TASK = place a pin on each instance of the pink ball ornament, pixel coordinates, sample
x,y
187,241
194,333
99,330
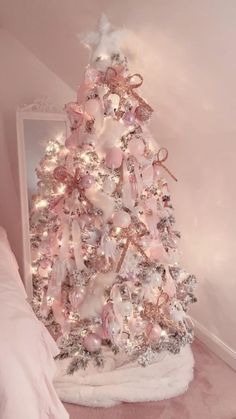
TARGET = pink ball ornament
x,y
87,181
121,219
136,147
92,342
129,118
76,297
114,158
155,333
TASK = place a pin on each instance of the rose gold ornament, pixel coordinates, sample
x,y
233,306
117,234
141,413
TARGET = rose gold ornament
x,y
121,219
92,342
114,158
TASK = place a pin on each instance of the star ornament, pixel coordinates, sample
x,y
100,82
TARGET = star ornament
x,y
105,42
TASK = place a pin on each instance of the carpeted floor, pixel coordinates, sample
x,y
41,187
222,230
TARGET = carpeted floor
x,y
211,395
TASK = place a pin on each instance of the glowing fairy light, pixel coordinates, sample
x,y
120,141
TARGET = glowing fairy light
x,y
61,189
33,269
52,147
45,234
41,204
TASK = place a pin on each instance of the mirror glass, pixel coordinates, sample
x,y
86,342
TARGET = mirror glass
x,y
37,133
34,131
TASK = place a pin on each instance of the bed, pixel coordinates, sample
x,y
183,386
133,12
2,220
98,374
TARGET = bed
x,y
26,350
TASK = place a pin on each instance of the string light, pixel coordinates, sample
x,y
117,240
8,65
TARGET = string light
x,y
33,269
61,189
41,204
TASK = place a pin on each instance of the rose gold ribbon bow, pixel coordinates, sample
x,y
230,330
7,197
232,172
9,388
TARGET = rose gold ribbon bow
x,y
160,160
72,182
132,238
122,86
151,311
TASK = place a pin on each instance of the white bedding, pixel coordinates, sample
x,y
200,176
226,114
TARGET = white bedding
x,y
26,351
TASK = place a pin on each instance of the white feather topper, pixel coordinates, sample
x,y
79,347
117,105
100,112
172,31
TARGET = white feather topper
x,y
105,42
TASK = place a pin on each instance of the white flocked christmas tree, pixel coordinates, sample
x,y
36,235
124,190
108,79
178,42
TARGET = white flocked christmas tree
x,y
105,267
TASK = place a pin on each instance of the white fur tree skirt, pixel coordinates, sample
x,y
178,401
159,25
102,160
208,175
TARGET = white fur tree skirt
x,y
167,377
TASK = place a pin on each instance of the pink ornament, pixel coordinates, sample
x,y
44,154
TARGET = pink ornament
x,y
129,118
136,147
87,181
76,297
155,333
114,158
92,342
121,219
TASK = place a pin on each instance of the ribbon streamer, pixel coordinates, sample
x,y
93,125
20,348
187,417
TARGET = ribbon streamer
x,y
76,237
125,186
160,160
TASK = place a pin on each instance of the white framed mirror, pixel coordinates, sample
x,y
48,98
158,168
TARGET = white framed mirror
x,y
35,127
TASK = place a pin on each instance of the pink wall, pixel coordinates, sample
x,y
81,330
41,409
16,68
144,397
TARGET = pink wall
x,y
22,78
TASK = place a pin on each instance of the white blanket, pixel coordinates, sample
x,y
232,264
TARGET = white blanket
x,y
26,351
